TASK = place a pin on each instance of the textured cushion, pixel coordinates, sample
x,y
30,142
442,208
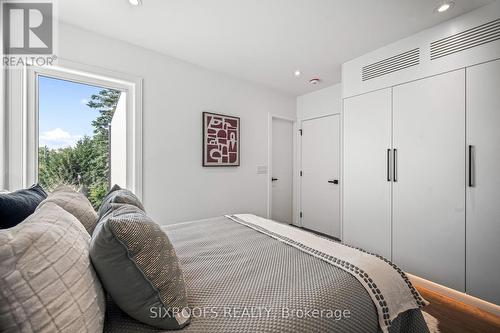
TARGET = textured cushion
x,y
47,283
18,205
119,195
139,268
76,204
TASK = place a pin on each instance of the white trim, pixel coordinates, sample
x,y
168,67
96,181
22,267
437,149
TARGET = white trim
x,y
298,194
30,127
67,70
296,169
341,170
270,162
13,172
3,115
320,116
3,128
456,295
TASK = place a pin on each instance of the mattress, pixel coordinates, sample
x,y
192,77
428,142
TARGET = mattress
x,y
241,280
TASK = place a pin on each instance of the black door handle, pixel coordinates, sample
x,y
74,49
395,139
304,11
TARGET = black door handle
x,y
274,179
333,181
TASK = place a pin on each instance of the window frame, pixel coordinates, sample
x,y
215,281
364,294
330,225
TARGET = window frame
x,y
84,74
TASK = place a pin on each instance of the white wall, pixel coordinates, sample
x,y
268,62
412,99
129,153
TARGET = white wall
x,y
175,185
118,143
320,103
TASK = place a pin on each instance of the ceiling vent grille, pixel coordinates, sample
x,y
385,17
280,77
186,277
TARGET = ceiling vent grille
x,y
393,64
482,34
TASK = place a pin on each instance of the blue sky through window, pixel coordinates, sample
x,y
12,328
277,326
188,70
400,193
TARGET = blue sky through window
x,y
64,117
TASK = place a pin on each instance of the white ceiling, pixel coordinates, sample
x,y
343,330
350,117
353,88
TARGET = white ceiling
x,y
262,41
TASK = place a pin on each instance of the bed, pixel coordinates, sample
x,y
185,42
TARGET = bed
x,y
242,276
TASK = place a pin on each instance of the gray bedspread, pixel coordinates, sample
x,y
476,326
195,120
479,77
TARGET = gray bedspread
x,y
246,281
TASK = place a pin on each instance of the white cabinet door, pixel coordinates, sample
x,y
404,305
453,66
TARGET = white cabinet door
x,y
428,192
320,190
282,170
483,194
367,190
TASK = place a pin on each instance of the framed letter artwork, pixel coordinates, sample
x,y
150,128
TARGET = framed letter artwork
x,y
221,140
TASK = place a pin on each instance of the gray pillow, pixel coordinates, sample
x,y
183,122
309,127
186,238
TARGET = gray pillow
x,y
74,203
47,282
119,195
139,268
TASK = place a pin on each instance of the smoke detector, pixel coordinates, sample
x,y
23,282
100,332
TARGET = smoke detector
x,y
315,80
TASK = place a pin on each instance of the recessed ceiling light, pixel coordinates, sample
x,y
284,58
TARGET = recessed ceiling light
x,y
297,72
135,2
444,6
315,80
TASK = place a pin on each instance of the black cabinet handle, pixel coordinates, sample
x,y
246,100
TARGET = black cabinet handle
x,y
395,165
472,172
274,179
333,181
389,165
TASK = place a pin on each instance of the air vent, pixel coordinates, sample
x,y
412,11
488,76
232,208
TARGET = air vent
x,y
485,33
392,64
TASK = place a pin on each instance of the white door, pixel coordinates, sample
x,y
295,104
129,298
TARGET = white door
x,y
282,170
320,197
428,189
367,180
483,181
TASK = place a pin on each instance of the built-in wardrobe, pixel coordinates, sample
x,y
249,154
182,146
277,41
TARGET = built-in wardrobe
x,y
422,177
421,170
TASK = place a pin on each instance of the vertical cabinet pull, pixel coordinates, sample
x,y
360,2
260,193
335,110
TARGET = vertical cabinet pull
x,y
389,165
472,171
395,165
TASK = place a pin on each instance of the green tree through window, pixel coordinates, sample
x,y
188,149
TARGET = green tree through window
x,y
84,166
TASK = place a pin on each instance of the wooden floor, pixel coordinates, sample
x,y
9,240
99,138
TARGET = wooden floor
x,y
458,317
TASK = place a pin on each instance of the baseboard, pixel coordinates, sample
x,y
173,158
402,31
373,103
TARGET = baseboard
x,y
456,295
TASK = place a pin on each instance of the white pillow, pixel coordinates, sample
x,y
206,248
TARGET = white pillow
x,y
47,282
74,203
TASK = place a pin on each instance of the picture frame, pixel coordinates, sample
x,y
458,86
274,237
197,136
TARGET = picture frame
x,y
221,140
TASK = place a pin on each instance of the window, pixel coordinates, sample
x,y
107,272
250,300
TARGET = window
x,y
74,136
30,126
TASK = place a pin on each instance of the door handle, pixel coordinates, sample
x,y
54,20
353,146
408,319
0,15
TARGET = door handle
x,y
472,171
274,179
389,165
395,165
333,181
